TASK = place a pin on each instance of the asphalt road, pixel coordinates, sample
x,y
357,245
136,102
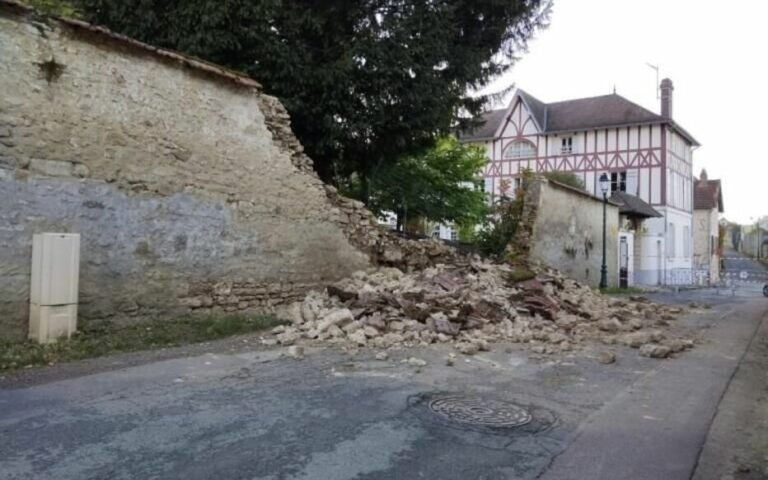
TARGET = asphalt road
x,y
743,271
332,415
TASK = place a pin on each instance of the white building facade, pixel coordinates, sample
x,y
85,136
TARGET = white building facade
x,y
645,154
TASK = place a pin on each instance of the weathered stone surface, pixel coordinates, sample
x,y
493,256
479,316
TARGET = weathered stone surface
x,y
636,339
606,358
358,337
295,351
471,304
338,317
416,362
287,338
655,351
173,192
468,348
611,325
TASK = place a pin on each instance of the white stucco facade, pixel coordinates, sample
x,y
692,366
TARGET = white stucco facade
x,y
651,159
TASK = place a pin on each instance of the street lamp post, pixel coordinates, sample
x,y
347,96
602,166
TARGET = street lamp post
x,y
605,185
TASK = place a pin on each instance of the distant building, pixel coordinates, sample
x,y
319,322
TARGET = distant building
x,y
707,207
645,155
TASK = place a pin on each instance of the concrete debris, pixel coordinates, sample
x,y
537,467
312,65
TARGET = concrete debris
x,y
474,304
296,352
606,358
416,362
450,360
382,356
653,350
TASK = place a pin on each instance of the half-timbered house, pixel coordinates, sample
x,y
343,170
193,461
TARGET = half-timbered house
x,y
645,154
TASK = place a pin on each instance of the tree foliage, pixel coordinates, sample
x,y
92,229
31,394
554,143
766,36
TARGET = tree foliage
x,y
440,185
501,225
61,8
366,81
566,178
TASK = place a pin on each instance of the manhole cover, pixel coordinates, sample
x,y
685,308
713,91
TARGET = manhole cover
x,y
479,411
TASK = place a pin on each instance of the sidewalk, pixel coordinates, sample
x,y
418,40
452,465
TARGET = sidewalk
x,y
737,443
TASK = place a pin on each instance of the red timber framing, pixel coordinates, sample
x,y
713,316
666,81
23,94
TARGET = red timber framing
x,y
642,147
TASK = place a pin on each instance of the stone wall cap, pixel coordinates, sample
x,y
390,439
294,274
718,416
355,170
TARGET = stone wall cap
x,y
217,71
579,191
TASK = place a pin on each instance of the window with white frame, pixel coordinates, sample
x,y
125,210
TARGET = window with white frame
x,y
520,149
454,235
671,240
436,231
566,145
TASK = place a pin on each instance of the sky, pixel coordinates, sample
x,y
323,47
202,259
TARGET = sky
x,y
714,52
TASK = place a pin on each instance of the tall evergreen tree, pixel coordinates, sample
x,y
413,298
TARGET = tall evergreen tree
x,y
366,81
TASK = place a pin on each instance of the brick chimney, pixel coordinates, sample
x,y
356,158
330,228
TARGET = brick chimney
x,y
666,97
703,175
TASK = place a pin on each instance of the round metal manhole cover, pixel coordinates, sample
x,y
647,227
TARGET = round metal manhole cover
x,y
480,411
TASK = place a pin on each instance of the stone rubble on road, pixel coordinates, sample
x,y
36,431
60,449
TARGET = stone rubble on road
x,y
474,304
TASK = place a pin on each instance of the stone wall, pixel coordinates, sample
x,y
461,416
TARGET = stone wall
x,y
563,229
706,224
184,180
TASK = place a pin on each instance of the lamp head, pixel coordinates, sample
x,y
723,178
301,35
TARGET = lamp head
x,y
605,183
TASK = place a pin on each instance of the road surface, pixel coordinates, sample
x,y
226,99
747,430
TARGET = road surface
x,y
746,273
259,414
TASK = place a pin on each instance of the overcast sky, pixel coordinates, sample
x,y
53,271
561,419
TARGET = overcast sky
x,y
714,52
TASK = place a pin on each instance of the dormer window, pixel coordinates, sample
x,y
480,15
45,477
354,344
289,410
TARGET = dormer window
x,y
566,145
520,149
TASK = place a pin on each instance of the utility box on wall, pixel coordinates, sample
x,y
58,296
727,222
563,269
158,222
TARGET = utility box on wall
x,y
54,289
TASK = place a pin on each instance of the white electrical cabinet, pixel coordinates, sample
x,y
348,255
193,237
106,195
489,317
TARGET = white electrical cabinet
x,y
54,289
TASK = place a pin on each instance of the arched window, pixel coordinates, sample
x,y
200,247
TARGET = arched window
x,y
520,149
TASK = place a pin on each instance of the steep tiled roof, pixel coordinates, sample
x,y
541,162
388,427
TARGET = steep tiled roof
x,y
580,114
707,195
633,206
490,121
604,111
537,108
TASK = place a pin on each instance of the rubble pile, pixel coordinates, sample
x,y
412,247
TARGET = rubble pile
x,y
473,305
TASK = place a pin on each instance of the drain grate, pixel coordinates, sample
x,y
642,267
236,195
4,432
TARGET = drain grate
x,y
479,411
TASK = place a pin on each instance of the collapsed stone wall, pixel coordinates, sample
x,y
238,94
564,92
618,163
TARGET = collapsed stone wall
x,y
185,181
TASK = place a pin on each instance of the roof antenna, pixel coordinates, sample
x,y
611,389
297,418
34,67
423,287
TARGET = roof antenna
x,y
655,67
614,89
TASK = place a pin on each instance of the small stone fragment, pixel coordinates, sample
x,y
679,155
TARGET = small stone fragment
x,y
606,358
416,362
358,337
467,348
611,325
287,338
296,352
655,351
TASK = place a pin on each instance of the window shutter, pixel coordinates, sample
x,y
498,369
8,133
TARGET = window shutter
x,y
632,182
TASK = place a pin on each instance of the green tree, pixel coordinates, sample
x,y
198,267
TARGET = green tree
x,y
501,225
440,185
62,8
366,81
